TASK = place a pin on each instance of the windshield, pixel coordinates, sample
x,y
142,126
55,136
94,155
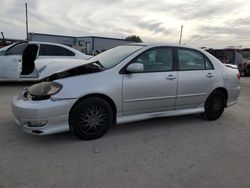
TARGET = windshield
x,y
112,57
4,49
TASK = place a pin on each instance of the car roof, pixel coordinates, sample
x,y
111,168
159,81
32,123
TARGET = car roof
x,y
52,43
151,45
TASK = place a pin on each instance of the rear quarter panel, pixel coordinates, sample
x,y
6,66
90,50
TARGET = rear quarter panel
x,y
226,78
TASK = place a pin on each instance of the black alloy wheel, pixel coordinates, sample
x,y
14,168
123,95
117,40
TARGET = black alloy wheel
x,y
214,105
91,118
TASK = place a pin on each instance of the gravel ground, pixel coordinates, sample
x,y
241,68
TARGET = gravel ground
x,y
169,152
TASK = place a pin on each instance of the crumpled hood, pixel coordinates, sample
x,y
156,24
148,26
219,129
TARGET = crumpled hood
x,y
47,67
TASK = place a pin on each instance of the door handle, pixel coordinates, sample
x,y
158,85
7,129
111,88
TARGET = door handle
x,y
170,77
210,75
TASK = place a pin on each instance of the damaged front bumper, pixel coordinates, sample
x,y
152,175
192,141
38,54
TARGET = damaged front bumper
x,y
41,117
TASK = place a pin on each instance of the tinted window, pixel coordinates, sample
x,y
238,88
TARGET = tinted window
x,y
17,49
190,60
228,57
225,56
51,50
158,59
245,53
238,58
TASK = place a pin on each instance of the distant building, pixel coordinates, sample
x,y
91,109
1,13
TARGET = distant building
x,y
91,45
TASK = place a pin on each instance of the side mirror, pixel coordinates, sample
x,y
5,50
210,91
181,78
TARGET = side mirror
x,y
135,68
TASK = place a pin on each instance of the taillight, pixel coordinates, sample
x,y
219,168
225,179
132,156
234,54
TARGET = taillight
x,y
238,76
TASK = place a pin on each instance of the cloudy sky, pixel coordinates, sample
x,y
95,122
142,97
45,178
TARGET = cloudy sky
x,y
214,23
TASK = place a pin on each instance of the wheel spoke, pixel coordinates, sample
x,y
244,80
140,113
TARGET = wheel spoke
x,y
92,119
215,105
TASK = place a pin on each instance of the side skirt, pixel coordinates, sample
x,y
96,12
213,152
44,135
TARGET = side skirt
x,y
138,117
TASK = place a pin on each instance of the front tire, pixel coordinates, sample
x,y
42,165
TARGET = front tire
x,y
91,118
214,106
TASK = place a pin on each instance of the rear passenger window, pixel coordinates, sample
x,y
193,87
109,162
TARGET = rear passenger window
x,y
209,65
190,60
52,50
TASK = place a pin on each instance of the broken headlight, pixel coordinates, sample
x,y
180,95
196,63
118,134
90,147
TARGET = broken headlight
x,y
44,90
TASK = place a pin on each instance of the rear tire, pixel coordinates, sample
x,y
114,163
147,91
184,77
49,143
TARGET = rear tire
x,y
91,118
214,106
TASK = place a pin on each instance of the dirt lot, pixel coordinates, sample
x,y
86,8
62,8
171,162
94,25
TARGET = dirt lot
x,y
170,152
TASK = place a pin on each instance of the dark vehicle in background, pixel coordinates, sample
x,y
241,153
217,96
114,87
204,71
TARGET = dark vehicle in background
x,y
246,57
230,56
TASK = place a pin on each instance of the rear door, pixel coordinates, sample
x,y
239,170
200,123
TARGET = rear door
x,y
196,76
154,89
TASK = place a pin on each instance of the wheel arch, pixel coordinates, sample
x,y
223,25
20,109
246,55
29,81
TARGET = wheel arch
x,y
102,96
223,91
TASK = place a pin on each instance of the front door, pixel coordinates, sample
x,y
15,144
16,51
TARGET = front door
x,y
154,89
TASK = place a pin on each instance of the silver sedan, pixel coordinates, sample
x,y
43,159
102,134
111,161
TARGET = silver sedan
x,y
126,84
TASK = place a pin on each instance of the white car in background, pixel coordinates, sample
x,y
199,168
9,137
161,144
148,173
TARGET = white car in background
x,y
33,60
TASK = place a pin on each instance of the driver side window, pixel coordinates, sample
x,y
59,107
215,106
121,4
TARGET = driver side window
x,y
156,60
